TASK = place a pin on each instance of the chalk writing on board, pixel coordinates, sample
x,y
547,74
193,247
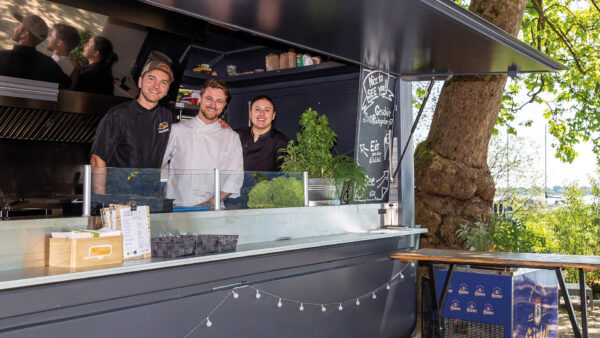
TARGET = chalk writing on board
x,y
376,88
376,107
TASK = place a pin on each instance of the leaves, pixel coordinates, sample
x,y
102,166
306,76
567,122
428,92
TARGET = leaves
x,y
312,153
566,30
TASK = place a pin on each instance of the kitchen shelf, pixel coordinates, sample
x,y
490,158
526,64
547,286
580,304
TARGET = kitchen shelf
x,y
289,74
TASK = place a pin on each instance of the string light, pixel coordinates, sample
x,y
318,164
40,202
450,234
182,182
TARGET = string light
x,y
236,295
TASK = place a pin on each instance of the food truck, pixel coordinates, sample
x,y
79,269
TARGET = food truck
x,y
316,270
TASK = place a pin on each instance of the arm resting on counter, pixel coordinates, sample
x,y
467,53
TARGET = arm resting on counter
x,y
98,174
211,201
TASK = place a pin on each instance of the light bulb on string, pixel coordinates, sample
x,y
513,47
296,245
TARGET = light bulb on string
x,y
374,295
340,307
301,308
412,264
208,322
357,301
257,294
387,286
323,308
401,276
235,294
279,304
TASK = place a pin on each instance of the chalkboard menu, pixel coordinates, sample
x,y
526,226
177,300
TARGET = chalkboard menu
x,y
376,108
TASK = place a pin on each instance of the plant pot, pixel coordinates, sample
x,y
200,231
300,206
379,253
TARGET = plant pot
x,y
321,191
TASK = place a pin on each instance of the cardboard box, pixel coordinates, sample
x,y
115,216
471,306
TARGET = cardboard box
x,y
272,62
283,60
291,59
81,252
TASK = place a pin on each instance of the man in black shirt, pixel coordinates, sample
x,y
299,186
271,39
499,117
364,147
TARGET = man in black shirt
x,y
24,61
134,134
261,143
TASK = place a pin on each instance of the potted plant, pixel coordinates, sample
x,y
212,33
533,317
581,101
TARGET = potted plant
x,y
332,177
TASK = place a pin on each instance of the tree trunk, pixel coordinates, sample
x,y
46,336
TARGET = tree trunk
x,y
453,182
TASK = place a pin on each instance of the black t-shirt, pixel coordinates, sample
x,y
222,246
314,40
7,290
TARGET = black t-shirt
x,y
263,154
95,78
131,136
27,63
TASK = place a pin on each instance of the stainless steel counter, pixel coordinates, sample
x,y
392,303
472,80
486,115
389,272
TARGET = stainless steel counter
x,y
46,275
24,243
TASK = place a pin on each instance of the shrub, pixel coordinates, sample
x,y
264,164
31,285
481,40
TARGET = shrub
x,y
476,237
279,192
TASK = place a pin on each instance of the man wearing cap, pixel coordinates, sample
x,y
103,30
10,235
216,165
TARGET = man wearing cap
x,y
62,40
24,60
134,134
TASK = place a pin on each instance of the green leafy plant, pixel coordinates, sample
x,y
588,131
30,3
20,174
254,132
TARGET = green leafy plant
x,y
313,153
280,192
77,52
477,237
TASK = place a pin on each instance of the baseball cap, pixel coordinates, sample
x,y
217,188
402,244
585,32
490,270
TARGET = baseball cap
x,y
34,24
158,65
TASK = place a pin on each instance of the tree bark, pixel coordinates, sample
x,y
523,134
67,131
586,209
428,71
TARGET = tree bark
x,y
454,185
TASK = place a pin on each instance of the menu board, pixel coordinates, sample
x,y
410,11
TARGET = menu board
x,y
376,109
134,223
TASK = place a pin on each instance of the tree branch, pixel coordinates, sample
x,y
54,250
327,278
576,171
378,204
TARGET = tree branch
x,y
538,7
595,5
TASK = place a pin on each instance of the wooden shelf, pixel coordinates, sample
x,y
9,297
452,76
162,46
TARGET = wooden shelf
x,y
288,74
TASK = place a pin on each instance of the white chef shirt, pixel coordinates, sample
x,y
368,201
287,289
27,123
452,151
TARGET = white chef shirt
x,y
194,145
65,63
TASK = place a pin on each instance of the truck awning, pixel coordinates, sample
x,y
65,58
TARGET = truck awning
x,y
409,38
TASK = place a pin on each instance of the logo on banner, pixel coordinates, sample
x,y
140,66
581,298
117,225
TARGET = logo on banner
x,y
471,307
455,305
497,293
479,291
463,289
537,312
488,310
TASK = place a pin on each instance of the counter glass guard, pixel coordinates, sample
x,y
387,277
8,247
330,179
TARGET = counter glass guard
x,y
185,190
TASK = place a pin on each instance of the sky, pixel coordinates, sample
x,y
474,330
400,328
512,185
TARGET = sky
x,y
557,172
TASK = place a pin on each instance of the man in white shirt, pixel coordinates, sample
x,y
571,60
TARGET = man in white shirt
x,y
201,144
61,41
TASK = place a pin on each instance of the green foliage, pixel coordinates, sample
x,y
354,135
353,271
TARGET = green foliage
x,y
510,234
77,52
568,31
571,228
476,237
312,153
279,192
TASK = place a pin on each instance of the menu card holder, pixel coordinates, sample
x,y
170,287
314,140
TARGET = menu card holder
x,y
134,223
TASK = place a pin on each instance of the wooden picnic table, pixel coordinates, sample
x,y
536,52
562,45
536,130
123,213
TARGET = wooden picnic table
x,y
504,259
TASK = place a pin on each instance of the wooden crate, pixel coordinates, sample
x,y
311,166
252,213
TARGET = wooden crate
x,y
81,252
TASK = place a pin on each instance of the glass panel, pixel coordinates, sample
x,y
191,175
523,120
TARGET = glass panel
x,y
185,190
129,185
264,189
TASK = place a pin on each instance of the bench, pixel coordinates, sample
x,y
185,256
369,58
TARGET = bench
x,y
573,289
